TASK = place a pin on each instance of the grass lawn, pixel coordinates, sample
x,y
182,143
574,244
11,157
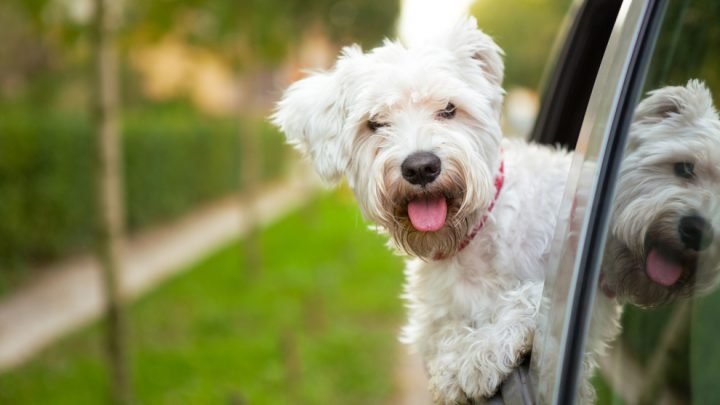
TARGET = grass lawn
x,y
316,325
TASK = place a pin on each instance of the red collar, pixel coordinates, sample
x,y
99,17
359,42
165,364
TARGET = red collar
x,y
499,180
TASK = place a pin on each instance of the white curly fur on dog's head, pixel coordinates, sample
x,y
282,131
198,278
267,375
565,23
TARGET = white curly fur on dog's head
x,y
366,115
671,172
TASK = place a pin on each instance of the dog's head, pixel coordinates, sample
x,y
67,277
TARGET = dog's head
x,y
415,130
664,241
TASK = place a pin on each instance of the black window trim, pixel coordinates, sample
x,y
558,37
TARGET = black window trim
x,y
567,92
580,304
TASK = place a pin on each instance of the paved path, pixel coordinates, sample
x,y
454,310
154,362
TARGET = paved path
x,y
69,294
411,386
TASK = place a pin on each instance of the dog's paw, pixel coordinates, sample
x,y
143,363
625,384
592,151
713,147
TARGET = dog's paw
x,y
480,383
460,382
445,389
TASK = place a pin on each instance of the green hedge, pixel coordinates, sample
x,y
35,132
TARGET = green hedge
x,y
175,160
46,186
172,164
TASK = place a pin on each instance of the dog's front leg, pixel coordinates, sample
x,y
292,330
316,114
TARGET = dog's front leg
x,y
468,359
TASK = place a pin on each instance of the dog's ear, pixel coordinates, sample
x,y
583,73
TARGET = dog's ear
x,y
313,116
689,102
469,43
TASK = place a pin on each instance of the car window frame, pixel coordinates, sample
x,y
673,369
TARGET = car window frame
x,y
590,248
566,97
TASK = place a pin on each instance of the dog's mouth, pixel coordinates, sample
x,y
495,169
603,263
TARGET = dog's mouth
x,y
662,268
427,214
429,210
429,221
668,266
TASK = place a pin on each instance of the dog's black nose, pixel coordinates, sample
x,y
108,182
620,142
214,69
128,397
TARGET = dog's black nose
x,y
695,232
421,168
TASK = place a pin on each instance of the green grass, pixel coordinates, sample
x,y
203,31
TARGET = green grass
x,y
317,325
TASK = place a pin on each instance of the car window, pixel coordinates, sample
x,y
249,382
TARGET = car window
x,y
652,336
563,316
656,304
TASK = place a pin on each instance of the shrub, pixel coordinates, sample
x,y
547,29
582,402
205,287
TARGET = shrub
x,y
46,186
174,160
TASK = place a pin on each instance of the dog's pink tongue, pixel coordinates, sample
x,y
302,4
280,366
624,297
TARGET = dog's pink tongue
x,y
427,215
662,271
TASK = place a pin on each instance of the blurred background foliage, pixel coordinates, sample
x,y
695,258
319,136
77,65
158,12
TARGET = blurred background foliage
x,y
197,81
526,31
173,162
195,77
247,32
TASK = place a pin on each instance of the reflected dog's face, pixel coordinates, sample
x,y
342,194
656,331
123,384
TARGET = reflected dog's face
x,y
414,130
663,242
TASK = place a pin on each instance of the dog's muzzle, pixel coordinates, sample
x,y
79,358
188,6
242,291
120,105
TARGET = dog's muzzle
x,y
669,260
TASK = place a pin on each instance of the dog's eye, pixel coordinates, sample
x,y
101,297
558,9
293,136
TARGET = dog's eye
x,y
448,112
374,125
686,170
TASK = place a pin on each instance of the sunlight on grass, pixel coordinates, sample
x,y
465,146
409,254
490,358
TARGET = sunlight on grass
x,y
317,324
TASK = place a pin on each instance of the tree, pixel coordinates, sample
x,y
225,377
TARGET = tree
x,y
110,194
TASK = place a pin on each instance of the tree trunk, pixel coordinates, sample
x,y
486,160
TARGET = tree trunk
x,y
109,191
250,175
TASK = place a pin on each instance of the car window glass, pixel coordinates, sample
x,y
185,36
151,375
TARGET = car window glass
x,y
653,334
561,261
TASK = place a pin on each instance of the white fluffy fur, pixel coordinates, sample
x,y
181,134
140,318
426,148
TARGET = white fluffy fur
x,y
472,314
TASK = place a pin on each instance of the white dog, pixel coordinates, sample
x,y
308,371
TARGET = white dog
x,y
416,133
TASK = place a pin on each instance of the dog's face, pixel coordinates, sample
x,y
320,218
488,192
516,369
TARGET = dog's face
x,y
663,242
414,130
